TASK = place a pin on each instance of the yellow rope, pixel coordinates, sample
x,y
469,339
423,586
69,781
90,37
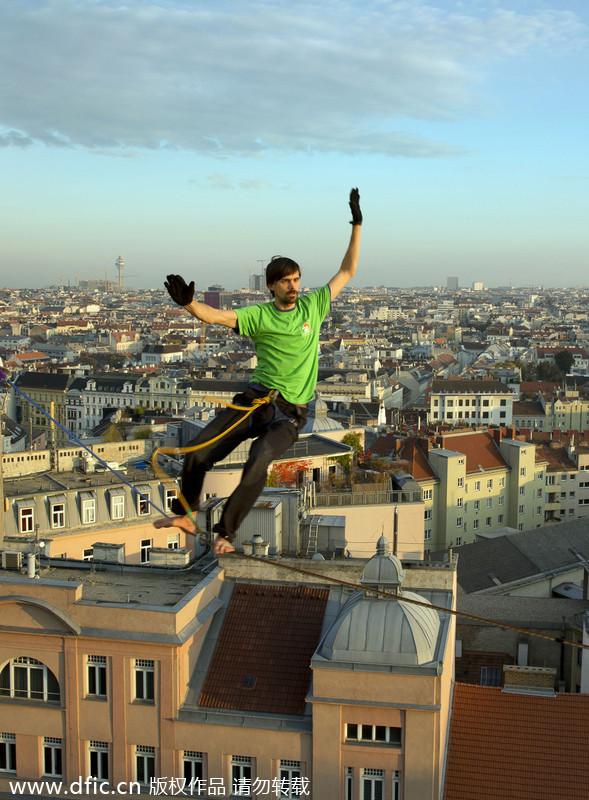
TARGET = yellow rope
x,y
256,403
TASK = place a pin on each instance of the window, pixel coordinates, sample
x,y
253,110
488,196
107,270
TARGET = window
x,y
28,679
88,553
522,471
489,502
459,522
26,519
475,524
427,513
96,676
550,480
58,515
490,676
88,505
539,493
427,534
502,482
98,760
372,784
458,541
174,541
192,767
144,679
428,494
241,775
490,483
169,495
520,509
144,764
7,752
488,522
290,778
146,545
52,757
477,486
501,500
117,503
349,783
563,477
460,483
375,734
500,519
459,502
477,505
143,500
538,511
522,490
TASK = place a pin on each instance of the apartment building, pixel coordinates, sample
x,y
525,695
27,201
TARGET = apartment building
x,y
558,411
474,482
470,402
48,393
220,683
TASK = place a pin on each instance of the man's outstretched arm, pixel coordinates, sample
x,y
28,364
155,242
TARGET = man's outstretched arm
x,y
183,294
350,261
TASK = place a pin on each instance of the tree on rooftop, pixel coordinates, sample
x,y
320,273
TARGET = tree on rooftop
x,y
347,462
564,360
286,473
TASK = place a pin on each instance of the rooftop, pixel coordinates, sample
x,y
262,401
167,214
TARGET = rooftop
x,y
262,659
517,746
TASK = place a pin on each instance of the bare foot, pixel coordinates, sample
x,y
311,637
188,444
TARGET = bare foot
x,y
185,523
222,545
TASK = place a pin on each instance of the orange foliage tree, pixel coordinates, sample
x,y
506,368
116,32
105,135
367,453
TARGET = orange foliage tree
x,y
286,473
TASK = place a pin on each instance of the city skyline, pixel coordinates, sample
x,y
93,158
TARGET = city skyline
x,y
204,140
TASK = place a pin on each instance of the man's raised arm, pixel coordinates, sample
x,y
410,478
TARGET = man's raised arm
x,y
350,261
183,294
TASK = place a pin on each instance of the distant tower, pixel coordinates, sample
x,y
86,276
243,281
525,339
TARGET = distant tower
x,y
119,264
452,284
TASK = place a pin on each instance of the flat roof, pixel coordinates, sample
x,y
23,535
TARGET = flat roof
x,y
118,584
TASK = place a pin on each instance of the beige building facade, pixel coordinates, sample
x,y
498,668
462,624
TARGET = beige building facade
x,y
112,676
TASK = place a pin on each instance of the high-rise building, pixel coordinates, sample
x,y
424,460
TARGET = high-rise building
x,y
452,283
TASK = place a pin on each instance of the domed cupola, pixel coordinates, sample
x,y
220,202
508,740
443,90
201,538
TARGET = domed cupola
x,y
374,629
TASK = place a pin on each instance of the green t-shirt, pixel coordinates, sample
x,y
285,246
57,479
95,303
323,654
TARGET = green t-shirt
x,y
287,343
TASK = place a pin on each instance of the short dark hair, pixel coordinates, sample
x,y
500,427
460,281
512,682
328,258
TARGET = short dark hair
x,y
279,267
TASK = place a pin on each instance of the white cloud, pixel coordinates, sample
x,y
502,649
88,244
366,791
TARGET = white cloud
x,y
248,78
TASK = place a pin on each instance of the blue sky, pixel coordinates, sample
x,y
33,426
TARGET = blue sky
x,y
205,137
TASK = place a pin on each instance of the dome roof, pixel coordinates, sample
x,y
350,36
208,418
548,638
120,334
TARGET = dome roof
x,y
371,630
317,420
384,570
381,630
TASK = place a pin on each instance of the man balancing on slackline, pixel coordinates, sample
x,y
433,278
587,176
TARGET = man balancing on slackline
x,y
285,332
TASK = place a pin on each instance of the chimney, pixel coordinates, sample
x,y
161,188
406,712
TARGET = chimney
x,y
529,680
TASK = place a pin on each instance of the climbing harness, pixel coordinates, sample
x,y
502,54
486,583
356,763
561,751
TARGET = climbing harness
x,y
248,410
206,541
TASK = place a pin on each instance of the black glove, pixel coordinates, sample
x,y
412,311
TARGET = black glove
x,y
355,208
179,291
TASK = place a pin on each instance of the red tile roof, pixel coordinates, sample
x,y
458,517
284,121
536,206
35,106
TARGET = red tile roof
x,y
262,659
479,448
517,746
557,458
420,468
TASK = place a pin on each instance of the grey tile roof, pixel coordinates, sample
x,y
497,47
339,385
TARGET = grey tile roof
x,y
490,562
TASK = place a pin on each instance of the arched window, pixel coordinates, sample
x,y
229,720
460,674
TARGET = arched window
x,y
26,678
